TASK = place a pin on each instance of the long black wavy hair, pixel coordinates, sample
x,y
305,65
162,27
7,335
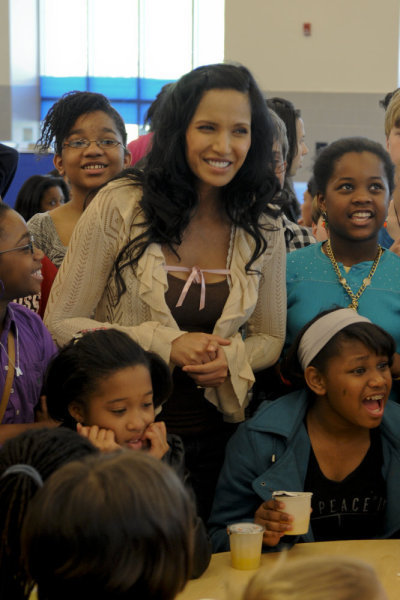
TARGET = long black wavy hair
x,y
169,186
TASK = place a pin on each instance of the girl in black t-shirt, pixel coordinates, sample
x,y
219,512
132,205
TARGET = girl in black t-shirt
x,y
329,437
345,361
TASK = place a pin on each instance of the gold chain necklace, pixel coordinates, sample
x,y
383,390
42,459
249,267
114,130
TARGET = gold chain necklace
x,y
366,281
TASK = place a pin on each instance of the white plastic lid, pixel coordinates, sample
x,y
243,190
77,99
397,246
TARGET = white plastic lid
x,y
245,528
294,494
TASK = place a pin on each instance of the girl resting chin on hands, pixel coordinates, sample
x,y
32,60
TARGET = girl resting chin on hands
x,y
107,387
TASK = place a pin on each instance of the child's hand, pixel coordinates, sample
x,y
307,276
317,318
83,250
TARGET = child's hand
x,y
156,434
275,521
103,439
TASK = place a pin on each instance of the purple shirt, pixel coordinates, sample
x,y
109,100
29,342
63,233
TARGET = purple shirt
x,y
35,347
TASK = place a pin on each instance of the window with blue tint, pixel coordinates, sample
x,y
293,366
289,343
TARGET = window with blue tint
x,y
127,52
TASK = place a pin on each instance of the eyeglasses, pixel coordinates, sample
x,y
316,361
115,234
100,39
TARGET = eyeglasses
x,y
84,143
28,246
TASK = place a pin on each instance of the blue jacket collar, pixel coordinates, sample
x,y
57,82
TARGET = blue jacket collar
x,y
270,418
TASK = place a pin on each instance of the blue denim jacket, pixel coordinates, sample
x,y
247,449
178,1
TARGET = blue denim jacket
x,y
271,452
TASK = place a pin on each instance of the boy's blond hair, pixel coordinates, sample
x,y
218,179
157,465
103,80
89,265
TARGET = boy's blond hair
x,y
320,578
392,114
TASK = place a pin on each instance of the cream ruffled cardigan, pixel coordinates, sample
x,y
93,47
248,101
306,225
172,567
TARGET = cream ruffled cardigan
x,y
82,296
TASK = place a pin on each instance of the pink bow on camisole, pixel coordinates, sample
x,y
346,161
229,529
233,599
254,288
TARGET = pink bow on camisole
x,y
196,274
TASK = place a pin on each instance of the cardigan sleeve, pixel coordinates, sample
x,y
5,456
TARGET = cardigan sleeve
x,y
266,327
261,344
81,282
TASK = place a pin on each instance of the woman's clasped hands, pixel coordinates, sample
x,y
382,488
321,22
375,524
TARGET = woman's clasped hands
x,y
202,357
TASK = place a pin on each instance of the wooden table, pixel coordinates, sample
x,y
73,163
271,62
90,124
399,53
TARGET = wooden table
x,y
383,555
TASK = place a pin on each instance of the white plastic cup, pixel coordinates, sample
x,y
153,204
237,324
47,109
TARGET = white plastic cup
x,y
298,505
246,542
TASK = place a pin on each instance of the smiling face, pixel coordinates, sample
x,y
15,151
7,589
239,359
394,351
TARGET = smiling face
x,y
122,402
52,198
88,168
218,137
20,270
356,197
355,386
302,148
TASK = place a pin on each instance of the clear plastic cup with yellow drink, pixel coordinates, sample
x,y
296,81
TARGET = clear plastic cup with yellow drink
x,y
246,542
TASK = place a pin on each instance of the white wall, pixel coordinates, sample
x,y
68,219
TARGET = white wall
x,y
19,81
4,43
353,49
5,91
25,95
353,46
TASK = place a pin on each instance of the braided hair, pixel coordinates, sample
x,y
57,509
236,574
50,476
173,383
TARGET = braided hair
x,y
45,450
64,113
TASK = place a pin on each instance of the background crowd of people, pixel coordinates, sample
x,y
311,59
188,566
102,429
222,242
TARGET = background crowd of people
x,y
175,292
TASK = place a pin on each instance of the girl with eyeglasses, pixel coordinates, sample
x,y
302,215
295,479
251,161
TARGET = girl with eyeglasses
x,y
89,140
25,344
188,258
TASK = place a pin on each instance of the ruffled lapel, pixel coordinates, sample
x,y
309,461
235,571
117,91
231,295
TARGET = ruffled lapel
x,y
244,287
242,297
153,284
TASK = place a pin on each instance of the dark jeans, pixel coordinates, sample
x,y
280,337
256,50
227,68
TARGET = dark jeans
x,y
204,455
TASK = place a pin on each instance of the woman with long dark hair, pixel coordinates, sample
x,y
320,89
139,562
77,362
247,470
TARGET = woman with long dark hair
x,y
188,259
